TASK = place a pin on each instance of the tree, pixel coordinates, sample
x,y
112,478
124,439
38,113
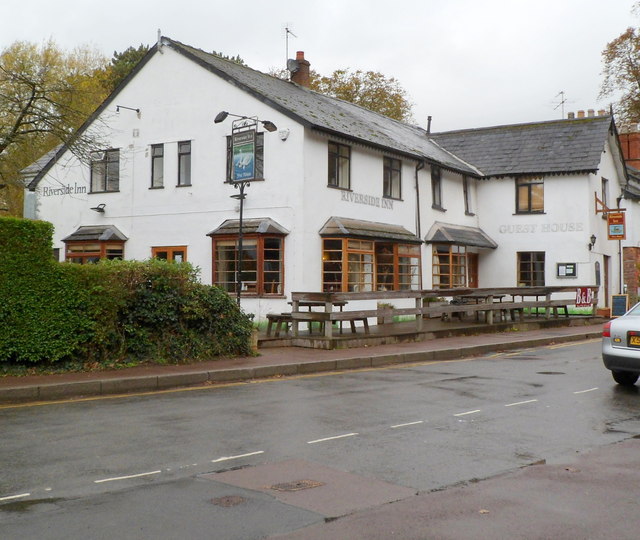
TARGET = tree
x,y
121,65
45,96
621,59
369,89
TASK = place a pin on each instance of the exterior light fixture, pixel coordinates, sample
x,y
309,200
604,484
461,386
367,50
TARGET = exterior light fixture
x,y
593,242
99,208
267,124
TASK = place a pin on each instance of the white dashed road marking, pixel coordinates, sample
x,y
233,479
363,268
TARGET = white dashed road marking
x,y
125,477
227,458
332,438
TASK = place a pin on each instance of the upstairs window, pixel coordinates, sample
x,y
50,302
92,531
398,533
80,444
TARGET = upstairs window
x,y
392,178
105,171
259,158
184,163
466,191
436,187
157,165
339,165
529,195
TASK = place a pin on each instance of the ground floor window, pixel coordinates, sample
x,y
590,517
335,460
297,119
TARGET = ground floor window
x,y
170,253
353,265
92,252
449,266
530,268
262,271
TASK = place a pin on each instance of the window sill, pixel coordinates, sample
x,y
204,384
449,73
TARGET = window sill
x,y
103,192
339,187
469,214
392,198
156,187
439,208
184,185
529,213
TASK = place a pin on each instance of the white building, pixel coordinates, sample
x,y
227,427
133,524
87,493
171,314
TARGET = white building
x,y
343,198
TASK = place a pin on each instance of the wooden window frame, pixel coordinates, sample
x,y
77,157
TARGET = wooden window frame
x,y
184,157
104,171
262,287
339,155
452,272
525,197
386,270
90,256
529,267
170,251
436,187
392,178
466,191
157,166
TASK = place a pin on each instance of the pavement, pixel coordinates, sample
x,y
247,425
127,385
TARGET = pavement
x,y
278,362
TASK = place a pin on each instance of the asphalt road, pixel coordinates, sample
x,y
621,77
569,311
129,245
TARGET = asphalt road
x,y
257,459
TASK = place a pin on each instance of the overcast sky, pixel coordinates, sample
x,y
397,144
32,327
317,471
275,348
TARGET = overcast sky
x,y
467,63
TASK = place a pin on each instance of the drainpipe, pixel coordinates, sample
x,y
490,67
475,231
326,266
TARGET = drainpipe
x,y
419,167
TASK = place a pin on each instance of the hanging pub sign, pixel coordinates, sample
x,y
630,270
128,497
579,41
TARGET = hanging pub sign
x,y
244,155
616,226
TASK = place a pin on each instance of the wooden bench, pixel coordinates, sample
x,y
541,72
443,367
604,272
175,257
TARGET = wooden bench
x,y
281,321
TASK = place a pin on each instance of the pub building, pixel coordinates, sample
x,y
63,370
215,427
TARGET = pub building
x,y
326,195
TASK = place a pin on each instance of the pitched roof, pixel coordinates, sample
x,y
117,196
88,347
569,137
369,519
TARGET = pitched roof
x,y
358,228
447,233
327,114
557,146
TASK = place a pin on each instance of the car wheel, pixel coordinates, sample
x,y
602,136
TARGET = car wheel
x,y
625,378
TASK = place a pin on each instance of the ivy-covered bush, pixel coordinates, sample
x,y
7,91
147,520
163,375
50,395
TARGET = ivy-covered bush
x,y
114,311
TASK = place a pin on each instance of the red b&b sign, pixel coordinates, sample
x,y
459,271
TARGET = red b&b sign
x,y
584,297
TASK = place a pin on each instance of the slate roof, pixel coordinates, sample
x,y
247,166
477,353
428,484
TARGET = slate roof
x,y
96,232
631,189
358,228
327,114
256,225
557,146
447,233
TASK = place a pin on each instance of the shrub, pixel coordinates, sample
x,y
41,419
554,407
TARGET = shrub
x,y
112,311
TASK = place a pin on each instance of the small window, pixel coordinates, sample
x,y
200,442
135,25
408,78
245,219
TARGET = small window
x,y
530,268
105,171
184,163
466,191
339,165
392,178
170,253
259,157
436,187
529,195
157,165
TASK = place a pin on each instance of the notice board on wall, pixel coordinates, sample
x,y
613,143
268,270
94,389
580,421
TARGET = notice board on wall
x,y
619,304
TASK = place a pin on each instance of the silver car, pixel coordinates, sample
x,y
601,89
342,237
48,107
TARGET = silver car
x,y
621,347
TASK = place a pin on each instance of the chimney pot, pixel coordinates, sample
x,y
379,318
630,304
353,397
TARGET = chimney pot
x,y
580,114
571,115
602,112
591,113
301,76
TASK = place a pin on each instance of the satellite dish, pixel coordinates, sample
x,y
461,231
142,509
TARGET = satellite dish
x,y
292,65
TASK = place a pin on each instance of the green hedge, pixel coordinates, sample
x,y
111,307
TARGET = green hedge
x,y
114,311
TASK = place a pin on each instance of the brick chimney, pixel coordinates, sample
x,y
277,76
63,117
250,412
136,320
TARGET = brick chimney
x,y
301,75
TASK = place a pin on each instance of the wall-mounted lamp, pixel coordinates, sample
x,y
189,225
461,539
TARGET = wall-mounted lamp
x,y
99,208
267,124
118,107
593,242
